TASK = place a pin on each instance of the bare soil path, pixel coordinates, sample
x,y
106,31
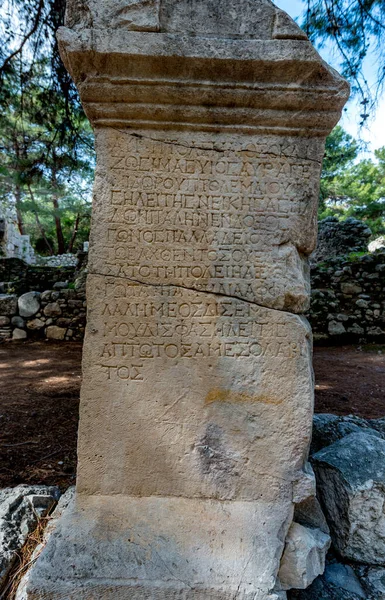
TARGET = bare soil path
x,y
39,403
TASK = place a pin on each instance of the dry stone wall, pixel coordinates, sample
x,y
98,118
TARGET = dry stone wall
x,y
348,299
58,314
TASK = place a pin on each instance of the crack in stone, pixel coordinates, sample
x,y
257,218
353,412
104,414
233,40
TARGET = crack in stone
x,y
213,149
188,289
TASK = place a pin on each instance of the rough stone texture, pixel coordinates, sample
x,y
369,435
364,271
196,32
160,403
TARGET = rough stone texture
x,y
328,429
338,238
55,333
18,322
63,505
340,582
375,580
377,244
197,393
20,508
304,556
343,577
19,334
35,324
348,299
8,305
52,310
29,304
350,483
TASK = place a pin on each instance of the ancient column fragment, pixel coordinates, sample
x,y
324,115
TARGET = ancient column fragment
x,y
210,119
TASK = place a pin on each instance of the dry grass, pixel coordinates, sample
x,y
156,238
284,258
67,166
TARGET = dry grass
x,y
26,557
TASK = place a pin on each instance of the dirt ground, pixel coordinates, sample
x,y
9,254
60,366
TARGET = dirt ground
x,y
39,398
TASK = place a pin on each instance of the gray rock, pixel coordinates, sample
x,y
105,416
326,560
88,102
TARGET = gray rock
x,y
46,296
328,429
304,557
60,285
18,322
375,581
343,576
378,425
351,485
336,328
66,499
4,321
52,310
19,334
20,509
309,513
332,589
8,304
29,304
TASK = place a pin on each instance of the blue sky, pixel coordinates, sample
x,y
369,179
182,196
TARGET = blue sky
x,y
374,133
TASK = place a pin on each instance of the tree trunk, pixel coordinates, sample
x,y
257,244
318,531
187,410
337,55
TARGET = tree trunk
x,y
55,202
39,224
74,234
19,215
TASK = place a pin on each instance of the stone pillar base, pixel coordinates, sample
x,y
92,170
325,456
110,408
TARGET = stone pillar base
x,y
120,548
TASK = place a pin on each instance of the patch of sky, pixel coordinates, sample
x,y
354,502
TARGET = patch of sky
x,y
372,135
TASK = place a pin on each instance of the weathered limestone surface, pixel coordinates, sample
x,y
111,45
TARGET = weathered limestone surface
x,y
197,393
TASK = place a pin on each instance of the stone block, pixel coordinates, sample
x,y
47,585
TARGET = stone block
x,y
35,324
19,334
55,333
351,481
304,557
52,310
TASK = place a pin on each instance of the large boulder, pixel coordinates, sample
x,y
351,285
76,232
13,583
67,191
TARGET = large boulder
x,y
29,304
328,429
20,510
351,485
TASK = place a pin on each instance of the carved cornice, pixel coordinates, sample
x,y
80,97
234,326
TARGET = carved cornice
x,y
173,81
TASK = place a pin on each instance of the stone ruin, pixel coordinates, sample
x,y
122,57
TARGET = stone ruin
x,y
12,243
340,238
196,410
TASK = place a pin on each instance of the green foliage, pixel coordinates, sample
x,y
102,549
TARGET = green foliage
x,y
46,162
353,189
356,30
355,256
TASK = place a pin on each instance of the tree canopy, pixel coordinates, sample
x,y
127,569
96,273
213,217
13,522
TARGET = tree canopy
x,y
350,188
356,30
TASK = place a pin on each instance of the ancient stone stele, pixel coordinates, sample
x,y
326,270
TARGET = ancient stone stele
x,y
210,119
